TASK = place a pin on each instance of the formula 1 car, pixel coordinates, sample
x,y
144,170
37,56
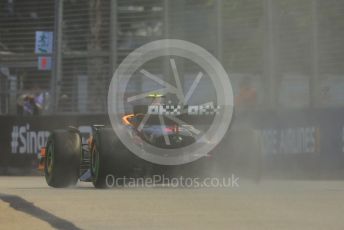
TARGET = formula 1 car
x,y
65,159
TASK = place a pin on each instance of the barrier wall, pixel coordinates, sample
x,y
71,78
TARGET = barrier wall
x,y
306,140
22,137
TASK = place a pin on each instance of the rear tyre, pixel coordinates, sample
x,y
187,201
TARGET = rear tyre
x,y
101,156
63,151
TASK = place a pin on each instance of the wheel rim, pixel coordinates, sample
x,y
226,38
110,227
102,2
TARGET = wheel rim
x,y
50,157
95,162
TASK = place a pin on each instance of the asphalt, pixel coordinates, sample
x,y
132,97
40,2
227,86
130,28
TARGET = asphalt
x,y
28,203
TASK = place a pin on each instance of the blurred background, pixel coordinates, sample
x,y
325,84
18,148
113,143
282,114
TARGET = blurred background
x,y
284,58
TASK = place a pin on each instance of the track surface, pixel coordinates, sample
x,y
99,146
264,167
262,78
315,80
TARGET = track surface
x,y
28,203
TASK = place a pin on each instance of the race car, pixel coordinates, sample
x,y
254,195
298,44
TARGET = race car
x,y
65,159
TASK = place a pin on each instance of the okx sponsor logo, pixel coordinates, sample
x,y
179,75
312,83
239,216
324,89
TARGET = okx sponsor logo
x,y
24,140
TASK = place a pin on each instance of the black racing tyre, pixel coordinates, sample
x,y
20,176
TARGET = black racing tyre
x,y
102,156
63,151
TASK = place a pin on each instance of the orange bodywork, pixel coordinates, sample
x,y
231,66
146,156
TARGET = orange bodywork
x,y
41,158
42,155
125,119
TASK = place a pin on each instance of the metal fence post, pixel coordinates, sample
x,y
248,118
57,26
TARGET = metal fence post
x,y
313,86
56,73
219,30
270,56
113,36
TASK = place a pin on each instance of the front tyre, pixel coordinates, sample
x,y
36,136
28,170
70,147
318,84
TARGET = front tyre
x,y
63,151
